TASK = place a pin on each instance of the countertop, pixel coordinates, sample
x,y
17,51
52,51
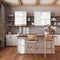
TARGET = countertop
x,y
25,35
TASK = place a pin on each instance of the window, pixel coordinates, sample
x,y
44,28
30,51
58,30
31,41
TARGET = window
x,y
20,18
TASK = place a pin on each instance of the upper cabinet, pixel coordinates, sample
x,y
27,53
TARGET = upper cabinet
x,y
42,18
20,18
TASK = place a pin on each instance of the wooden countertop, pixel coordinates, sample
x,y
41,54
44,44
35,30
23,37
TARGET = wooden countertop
x,y
22,35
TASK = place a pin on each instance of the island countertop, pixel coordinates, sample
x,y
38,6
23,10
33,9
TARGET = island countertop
x,y
25,35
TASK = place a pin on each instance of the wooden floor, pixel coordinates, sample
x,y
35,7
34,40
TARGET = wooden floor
x,y
9,53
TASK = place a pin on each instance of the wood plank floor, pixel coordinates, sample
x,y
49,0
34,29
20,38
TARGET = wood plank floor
x,y
9,53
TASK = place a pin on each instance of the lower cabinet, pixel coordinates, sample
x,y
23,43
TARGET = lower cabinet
x,y
57,40
21,45
11,40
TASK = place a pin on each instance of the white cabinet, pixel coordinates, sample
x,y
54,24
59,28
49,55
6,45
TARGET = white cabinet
x,y
11,40
21,45
21,18
8,40
42,18
14,40
57,40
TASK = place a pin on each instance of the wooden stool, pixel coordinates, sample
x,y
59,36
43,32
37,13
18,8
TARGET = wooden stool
x,y
48,38
31,38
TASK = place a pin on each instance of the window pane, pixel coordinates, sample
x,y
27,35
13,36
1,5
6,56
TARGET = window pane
x,y
45,1
28,1
18,20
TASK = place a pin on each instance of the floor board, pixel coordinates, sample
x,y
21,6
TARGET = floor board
x,y
10,53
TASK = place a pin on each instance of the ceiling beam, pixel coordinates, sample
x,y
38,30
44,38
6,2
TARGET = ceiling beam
x,y
54,2
3,2
20,2
37,2
8,4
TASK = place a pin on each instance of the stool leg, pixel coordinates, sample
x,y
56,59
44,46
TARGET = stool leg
x,y
51,46
35,50
45,49
54,47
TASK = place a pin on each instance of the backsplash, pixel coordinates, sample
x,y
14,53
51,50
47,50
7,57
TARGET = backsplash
x,y
31,30
28,30
57,30
37,30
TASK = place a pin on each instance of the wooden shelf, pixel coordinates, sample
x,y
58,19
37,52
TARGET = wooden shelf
x,y
55,21
56,25
31,21
17,25
11,20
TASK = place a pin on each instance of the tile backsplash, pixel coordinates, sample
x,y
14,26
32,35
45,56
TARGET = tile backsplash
x,y
28,30
31,30
57,30
36,30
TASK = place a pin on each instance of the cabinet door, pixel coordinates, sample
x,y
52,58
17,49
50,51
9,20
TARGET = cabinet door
x,y
57,40
11,40
21,45
20,18
21,41
14,40
21,49
8,40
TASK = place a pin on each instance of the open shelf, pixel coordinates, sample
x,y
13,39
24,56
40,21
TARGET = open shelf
x,y
30,20
55,22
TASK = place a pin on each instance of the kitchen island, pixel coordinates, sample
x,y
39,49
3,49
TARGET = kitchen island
x,y
22,45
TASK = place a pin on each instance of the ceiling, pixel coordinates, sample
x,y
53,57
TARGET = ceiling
x,y
30,2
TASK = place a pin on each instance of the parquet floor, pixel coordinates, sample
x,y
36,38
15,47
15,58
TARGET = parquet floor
x,y
10,53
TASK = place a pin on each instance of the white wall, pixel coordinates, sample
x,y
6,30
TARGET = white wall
x,y
30,9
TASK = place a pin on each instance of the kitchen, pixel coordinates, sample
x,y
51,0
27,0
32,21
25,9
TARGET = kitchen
x,y
17,30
